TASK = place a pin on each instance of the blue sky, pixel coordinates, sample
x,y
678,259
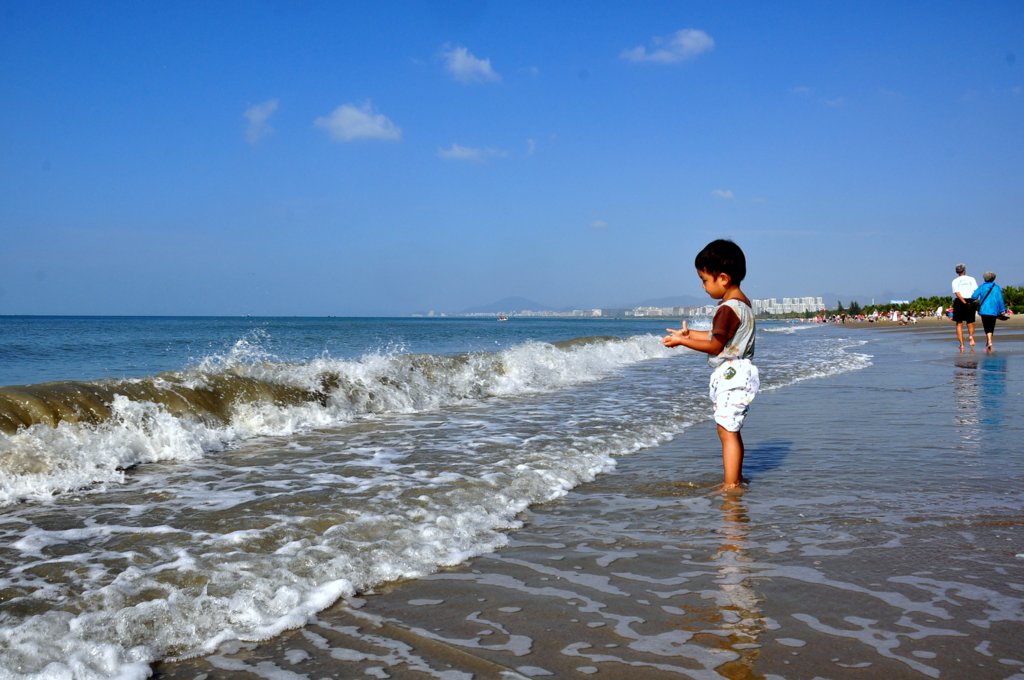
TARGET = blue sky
x,y
386,158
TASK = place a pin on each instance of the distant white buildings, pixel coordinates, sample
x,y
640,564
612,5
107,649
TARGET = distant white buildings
x,y
657,312
798,305
576,313
767,306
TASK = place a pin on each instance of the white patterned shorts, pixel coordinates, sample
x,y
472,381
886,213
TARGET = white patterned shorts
x,y
733,386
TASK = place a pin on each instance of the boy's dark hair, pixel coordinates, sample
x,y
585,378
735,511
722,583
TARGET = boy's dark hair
x,y
722,257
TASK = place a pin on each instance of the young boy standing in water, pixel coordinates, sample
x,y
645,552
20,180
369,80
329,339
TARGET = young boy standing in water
x,y
729,345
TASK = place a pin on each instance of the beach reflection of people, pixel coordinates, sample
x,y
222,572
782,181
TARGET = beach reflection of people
x,y
992,390
742,620
965,396
991,306
963,311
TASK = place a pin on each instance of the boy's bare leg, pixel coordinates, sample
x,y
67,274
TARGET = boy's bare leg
x,y
732,458
960,334
970,332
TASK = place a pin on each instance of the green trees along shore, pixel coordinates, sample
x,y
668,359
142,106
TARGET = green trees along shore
x,y
1014,296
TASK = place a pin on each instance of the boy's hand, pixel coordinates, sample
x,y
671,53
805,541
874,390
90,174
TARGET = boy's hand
x,y
675,336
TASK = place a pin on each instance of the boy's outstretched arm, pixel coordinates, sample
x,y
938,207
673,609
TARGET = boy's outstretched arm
x,y
700,341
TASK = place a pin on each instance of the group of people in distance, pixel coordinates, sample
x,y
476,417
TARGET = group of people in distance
x,y
969,299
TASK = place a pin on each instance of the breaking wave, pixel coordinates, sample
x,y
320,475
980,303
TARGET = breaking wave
x,y
61,436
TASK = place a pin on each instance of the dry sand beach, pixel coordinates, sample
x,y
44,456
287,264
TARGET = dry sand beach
x,y
881,536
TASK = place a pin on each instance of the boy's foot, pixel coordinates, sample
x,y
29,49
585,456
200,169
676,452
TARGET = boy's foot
x,y
972,342
961,348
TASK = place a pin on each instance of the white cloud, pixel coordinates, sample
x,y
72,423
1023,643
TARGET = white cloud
x,y
461,153
258,116
837,102
467,68
723,194
531,146
350,122
457,152
598,224
682,45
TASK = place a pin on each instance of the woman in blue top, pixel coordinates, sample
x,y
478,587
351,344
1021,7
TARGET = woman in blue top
x,y
991,305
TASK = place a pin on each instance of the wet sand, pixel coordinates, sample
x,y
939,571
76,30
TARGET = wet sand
x,y
835,563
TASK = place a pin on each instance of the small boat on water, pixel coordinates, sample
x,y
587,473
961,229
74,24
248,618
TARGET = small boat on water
x,y
502,317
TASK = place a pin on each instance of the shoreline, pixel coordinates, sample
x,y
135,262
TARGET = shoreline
x,y
1010,331
646,572
1016,320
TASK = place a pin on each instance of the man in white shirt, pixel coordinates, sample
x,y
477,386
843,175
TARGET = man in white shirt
x,y
963,309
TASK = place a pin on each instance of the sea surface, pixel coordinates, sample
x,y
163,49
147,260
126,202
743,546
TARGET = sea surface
x,y
171,484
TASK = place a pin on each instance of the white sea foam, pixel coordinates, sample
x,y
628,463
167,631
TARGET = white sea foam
x,y
40,461
454,517
788,329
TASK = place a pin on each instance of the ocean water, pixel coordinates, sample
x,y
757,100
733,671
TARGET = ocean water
x,y
167,485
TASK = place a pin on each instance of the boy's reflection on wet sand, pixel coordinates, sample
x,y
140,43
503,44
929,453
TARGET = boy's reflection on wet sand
x,y
739,605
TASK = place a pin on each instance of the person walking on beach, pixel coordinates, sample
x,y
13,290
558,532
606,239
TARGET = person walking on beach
x,y
963,310
991,306
729,345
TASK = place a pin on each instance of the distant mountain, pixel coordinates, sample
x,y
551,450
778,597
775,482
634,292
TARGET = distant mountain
x,y
879,298
674,301
509,304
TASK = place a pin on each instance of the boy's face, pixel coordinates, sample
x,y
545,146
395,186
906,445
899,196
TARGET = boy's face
x,y
714,284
